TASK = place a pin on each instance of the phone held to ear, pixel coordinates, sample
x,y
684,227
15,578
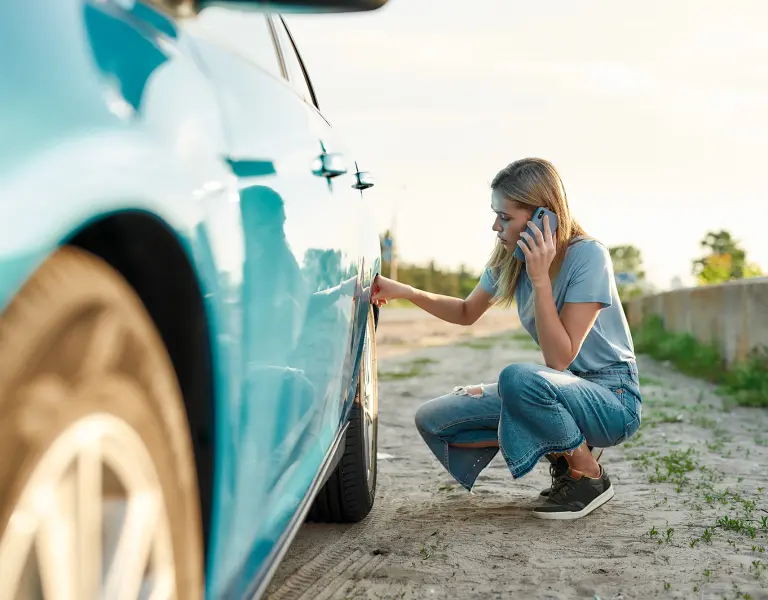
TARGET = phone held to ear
x,y
538,220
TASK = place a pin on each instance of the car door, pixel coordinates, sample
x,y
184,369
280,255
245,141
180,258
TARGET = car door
x,y
299,281
348,199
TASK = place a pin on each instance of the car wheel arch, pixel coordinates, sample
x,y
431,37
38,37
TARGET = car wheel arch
x,y
149,255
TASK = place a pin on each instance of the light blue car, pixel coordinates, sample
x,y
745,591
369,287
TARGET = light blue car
x,y
187,343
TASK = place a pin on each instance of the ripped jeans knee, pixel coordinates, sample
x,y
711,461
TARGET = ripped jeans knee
x,y
462,408
461,429
479,390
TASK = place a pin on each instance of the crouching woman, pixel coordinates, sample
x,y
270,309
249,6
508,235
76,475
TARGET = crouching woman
x,y
586,397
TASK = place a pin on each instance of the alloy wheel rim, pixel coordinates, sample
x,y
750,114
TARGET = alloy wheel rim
x,y
91,521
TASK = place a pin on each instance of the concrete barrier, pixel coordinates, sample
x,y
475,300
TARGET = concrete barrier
x,y
733,315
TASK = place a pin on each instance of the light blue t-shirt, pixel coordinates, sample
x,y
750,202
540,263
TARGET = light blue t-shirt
x,y
586,275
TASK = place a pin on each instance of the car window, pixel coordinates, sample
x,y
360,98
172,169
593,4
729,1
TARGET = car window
x,y
248,34
293,65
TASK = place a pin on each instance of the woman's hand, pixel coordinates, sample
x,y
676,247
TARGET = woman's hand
x,y
539,250
385,289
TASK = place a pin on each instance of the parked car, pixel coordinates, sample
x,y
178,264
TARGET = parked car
x,y
187,343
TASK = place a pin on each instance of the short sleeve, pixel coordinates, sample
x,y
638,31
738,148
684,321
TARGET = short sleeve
x,y
488,282
591,275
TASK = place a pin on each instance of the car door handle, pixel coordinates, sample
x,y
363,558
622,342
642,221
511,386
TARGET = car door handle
x,y
329,164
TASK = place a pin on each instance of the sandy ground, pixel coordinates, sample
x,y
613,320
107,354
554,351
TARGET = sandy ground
x,y
689,519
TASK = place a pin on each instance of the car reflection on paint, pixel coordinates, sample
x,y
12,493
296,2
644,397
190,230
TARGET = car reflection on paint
x,y
187,344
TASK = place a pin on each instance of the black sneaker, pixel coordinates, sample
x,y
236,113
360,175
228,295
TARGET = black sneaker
x,y
559,467
575,495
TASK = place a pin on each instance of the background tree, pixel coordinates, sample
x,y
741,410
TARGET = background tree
x,y
627,259
430,277
724,261
628,267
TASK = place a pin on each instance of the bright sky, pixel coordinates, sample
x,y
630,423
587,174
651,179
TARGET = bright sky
x,y
655,113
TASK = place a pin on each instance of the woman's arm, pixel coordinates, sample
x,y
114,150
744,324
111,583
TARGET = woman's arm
x,y
561,336
454,310
451,310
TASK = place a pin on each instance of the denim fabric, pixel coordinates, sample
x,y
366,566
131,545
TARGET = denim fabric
x,y
532,411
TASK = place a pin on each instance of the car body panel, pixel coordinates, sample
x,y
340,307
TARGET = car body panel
x,y
116,107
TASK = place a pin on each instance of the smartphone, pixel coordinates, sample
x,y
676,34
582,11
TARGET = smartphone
x,y
538,220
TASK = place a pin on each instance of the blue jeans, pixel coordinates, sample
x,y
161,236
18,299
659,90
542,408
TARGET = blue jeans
x,y
532,411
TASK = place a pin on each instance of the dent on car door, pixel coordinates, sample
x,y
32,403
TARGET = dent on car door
x,y
299,278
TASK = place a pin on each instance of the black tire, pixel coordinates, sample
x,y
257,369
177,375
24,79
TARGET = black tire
x,y
78,347
349,493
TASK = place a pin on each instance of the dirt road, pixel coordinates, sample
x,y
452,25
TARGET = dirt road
x,y
689,519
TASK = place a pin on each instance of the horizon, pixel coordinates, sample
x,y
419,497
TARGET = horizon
x,y
653,117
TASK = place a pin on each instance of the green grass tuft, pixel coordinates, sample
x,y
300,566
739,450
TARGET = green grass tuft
x,y
745,383
416,368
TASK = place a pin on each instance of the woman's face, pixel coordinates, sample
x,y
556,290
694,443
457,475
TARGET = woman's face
x,y
511,219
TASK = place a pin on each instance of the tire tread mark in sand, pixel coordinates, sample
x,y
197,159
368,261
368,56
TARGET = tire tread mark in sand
x,y
344,557
341,577
342,585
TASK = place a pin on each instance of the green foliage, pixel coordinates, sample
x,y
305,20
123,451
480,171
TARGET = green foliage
x,y
432,278
416,368
686,352
628,259
752,270
745,382
725,260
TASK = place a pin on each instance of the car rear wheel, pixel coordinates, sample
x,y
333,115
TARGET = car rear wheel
x,y
348,495
98,496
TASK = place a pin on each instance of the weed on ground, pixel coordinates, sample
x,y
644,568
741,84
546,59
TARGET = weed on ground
x,y
415,368
744,384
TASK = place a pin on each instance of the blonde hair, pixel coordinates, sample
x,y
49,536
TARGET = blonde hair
x,y
535,182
